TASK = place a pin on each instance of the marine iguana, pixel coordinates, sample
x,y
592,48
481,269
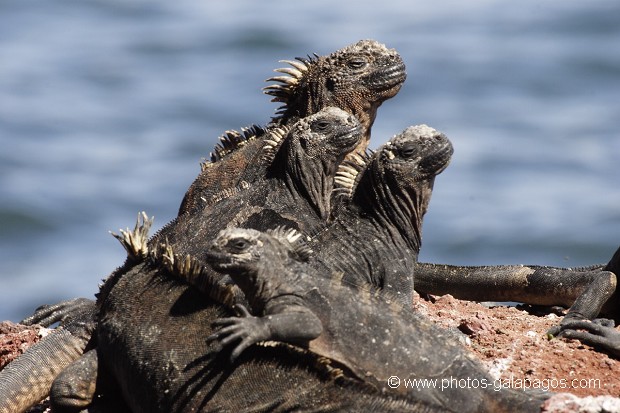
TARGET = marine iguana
x,y
357,79
381,218
300,169
151,347
152,344
371,71
366,334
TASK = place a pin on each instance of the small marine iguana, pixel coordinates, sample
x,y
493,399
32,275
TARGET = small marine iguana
x,y
364,333
357,79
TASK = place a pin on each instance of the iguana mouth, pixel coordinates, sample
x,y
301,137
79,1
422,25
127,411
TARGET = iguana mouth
x,y
388,78
350,137
437,162
218,260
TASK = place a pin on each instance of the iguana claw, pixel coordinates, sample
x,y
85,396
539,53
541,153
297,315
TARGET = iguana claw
x,y
596,334
246,329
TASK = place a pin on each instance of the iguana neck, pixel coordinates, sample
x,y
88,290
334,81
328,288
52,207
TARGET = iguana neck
x,y
318,96
396,209
262,282
252,283
308,178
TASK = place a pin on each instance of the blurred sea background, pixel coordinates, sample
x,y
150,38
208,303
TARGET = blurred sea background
x,y
107,107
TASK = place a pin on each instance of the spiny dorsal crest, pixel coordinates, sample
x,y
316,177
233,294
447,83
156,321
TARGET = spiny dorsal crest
x,y
231,140
273,142
348,173
225,193
193,272
294,240
287,85
136,242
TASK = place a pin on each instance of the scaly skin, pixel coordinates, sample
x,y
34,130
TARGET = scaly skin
x,y
365,334
26,380
356,79
376,234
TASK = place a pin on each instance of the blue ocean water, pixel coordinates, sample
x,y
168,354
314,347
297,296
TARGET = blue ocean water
x,y
107,107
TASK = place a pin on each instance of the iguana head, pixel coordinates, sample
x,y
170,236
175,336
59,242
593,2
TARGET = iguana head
x,y
357,79
330,133
235,248
244,253
397,182
417,154
242,248
311,152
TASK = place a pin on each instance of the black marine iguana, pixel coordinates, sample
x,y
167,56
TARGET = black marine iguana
x,y
380,219
357,79
310,152
153,345
373,72
300,169
376,234
364,333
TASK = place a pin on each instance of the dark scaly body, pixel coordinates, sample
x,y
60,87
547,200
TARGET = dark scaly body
x,y
361,331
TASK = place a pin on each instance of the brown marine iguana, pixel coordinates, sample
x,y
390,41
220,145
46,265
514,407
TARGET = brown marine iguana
x,y
369,336
357,79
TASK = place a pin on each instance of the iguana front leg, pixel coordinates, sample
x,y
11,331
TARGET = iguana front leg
x,y
591,300
294,326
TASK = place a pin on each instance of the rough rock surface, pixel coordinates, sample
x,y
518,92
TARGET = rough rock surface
x,y
14,340
512,342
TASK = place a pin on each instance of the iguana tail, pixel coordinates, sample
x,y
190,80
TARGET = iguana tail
x,y
27,380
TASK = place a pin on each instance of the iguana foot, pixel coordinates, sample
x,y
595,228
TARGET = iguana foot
x,y
599,334
62,312
245,328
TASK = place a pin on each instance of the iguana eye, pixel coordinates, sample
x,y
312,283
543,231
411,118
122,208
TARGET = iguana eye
x,y
407,150
357,63
238,244
321,125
